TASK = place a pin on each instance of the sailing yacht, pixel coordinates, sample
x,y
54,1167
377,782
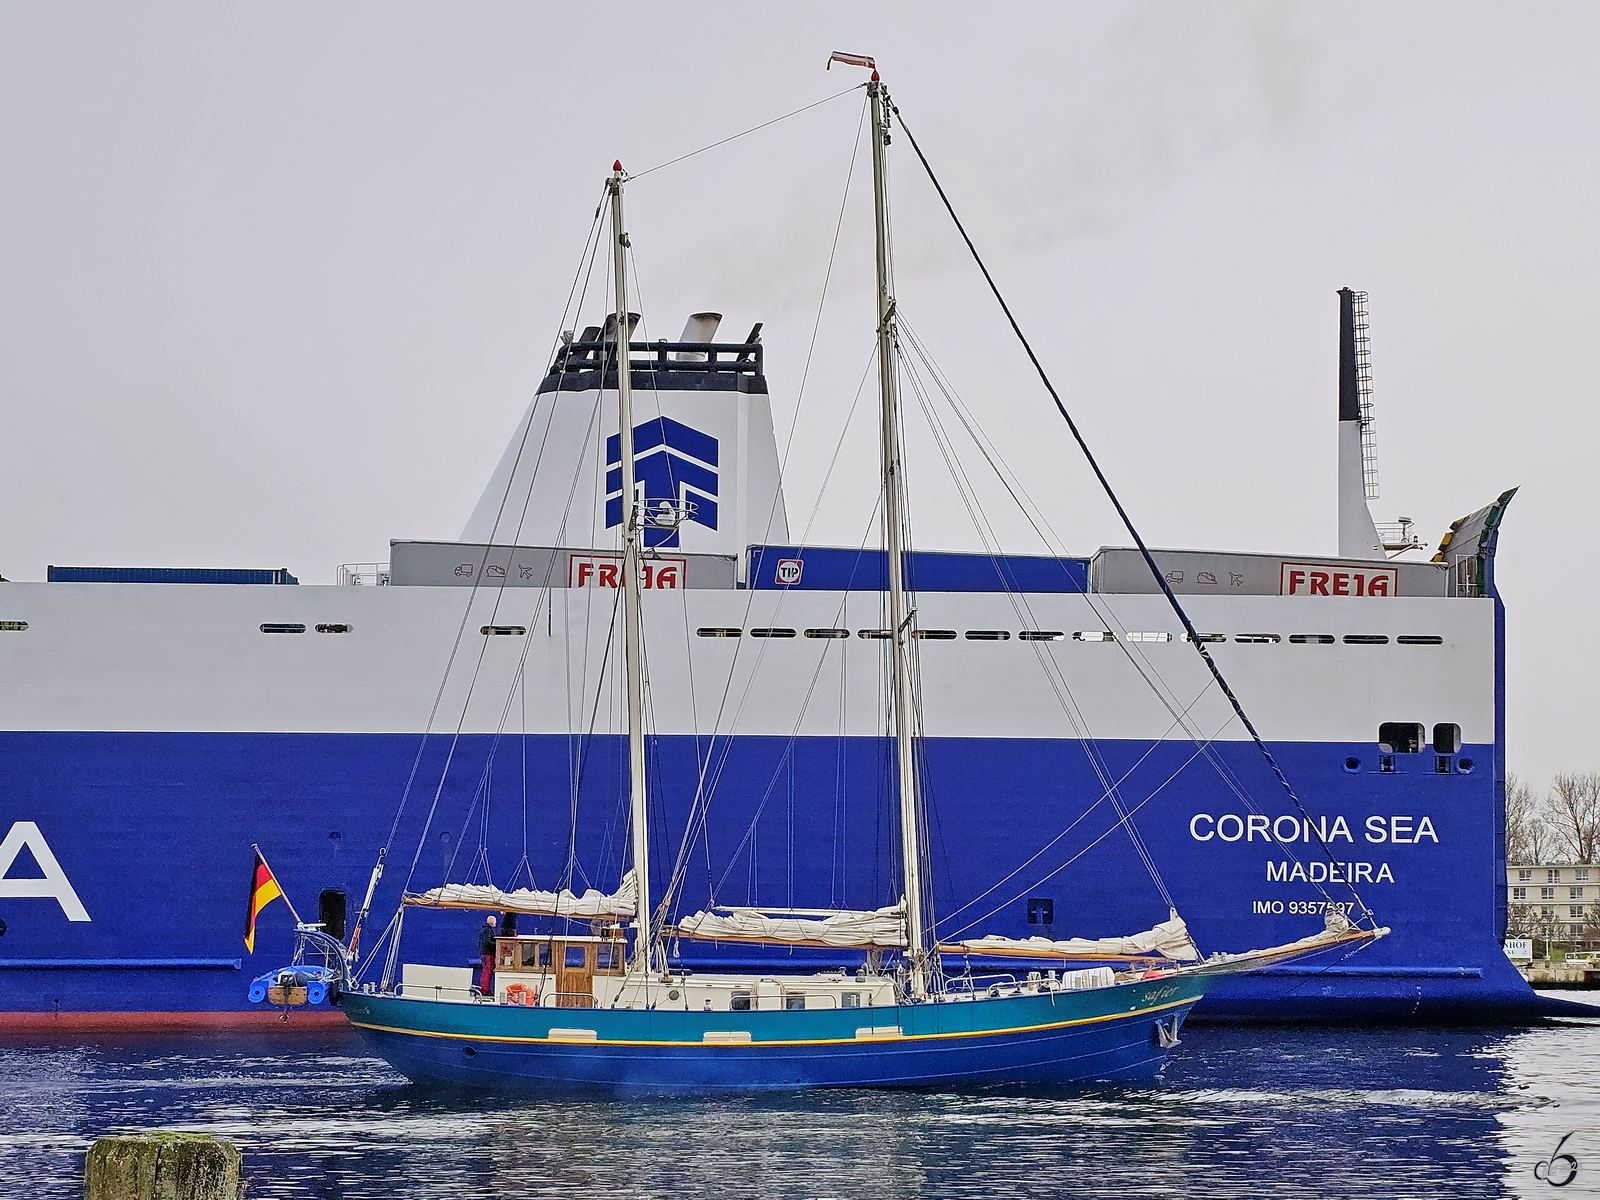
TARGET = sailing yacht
x,y
611,1008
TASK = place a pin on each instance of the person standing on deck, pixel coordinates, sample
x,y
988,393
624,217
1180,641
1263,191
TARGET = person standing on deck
x,y
486,952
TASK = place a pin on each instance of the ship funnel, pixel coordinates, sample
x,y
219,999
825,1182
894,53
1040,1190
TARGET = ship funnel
x,y
703,441
609,334
1358,451
700,327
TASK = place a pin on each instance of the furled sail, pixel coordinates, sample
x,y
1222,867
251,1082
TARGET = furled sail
x,y
1170,940
881,927
1338,930
621,903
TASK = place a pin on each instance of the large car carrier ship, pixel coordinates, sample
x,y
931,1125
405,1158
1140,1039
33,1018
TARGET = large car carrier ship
x,y
158,722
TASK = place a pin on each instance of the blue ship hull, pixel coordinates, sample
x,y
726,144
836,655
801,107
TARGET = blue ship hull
x,y
1063,1038
153,831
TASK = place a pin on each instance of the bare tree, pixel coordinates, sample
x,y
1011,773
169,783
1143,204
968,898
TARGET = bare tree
x,y
1574,815
1528,830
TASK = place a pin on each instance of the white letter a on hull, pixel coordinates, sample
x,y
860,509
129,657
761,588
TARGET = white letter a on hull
x,y
54,885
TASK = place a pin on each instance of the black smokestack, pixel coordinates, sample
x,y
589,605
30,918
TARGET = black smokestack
x,y
1349,384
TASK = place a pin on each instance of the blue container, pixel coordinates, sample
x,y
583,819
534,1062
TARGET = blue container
x,y
832,569
168,575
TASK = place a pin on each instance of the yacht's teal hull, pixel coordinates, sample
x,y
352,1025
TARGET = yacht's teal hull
x,y
1052,1038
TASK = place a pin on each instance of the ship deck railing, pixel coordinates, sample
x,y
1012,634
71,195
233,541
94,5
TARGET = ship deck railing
x,y
742,358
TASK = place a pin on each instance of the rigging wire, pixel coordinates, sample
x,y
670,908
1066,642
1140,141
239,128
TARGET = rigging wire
x,y
1078,718
591,248
1086,848
1122,513
702,797
1134,652
1034,515
700,815
816,324
542,597
1019,602
743,133
710,776
591,243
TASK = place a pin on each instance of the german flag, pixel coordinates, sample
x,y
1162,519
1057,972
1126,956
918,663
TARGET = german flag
x,y
264,890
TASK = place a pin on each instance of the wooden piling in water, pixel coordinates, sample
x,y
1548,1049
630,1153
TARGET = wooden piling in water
x,y
162,1165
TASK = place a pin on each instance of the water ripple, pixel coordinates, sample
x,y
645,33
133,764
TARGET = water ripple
x,y
1240,1113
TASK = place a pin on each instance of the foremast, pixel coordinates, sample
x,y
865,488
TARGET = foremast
x,y
902,704
633,640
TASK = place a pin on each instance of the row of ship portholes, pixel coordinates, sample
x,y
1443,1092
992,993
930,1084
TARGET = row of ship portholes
x,y
936,635
266,627
1388,764
1086,635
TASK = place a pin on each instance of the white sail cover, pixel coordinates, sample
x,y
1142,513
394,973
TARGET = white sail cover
x,y
1337,930
621,903
882,927
1170,939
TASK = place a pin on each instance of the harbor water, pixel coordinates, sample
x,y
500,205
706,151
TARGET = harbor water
x,y
1239,1112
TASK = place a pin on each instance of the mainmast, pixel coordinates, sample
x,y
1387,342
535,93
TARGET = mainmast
x,y
632,531
902,707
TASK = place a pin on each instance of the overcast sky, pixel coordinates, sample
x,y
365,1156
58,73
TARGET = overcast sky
x,y
276,281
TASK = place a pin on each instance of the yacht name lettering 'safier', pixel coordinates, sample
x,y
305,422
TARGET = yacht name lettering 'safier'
x,y
1399,830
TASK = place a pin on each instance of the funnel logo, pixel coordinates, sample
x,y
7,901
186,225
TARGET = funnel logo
x,y
672,462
